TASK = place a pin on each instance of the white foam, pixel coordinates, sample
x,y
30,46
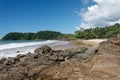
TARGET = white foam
x,y
16,45
11,49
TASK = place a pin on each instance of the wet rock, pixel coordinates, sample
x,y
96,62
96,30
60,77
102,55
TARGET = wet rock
x,y
20,56
18,52
29,53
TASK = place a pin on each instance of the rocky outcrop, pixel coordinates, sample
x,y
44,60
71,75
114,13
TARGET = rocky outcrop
x,y
115,41
40,65
80,63
43,50
105,63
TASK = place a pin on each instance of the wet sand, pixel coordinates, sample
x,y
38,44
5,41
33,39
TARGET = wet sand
x,y
64,46
91,43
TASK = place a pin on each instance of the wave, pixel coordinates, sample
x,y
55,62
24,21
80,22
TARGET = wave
x,y
10,49
24,44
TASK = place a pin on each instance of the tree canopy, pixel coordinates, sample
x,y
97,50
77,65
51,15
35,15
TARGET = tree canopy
x,y
41,35
99,32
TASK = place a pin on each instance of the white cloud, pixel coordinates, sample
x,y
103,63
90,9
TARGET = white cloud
x,y
85,1
85,26
104,12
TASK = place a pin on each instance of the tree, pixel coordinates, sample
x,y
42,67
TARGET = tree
x,y
41,35
99,32
12,36
28,36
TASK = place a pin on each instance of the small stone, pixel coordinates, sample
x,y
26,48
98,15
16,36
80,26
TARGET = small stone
x,y
18,52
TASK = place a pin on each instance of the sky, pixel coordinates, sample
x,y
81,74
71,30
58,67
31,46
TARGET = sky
x,y
65,16
102,13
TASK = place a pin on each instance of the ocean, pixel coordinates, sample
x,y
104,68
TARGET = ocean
x,y
13,48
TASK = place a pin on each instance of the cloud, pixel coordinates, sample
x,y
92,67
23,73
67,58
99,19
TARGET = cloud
x,y
85,1
104,12
85,26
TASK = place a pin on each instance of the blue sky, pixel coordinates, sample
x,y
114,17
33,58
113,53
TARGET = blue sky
x,y
37,15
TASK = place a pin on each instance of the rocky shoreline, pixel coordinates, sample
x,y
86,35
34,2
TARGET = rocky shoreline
x,y
80,63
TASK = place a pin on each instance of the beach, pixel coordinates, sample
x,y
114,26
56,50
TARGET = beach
x,y
13,48
91,43
70,61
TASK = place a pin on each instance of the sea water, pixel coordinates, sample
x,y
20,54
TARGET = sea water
x,y
13,48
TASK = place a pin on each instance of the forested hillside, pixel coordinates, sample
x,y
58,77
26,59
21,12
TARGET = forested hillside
x,y
41,35
99,32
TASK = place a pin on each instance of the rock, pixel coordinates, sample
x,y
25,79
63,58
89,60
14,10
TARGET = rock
x,y
26,59
17,77
18,52
105,64
35,70
9,61
43,50
102,63
2,60
115,41
20,56
36,56
46,48
29,53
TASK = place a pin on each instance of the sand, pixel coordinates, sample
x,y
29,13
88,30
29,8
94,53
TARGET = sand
x,y
91,43
64,46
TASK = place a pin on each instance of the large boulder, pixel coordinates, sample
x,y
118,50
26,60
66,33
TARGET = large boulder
x,y
46,48
43,50
115,41
105,64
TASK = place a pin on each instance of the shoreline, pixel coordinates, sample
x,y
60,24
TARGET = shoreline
x,y
70,44
91,43
82,62
64,46
14,48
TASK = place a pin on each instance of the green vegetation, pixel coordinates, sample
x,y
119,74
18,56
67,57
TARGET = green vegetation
x,y
99,32
66,36
47,35
41,35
